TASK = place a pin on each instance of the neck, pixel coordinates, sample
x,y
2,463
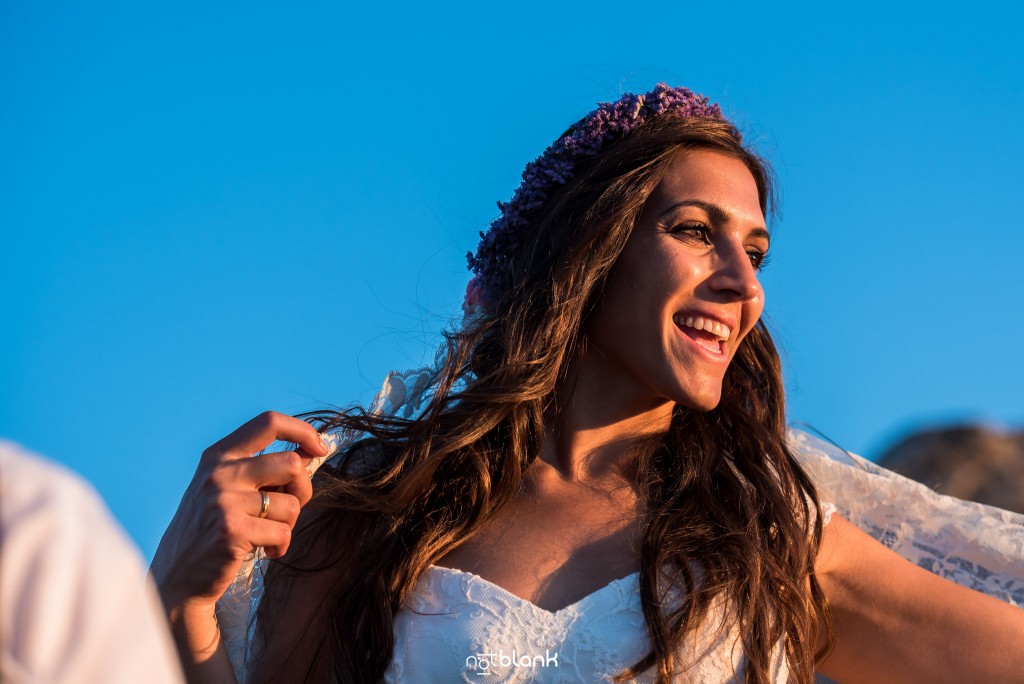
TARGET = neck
x,y
601,418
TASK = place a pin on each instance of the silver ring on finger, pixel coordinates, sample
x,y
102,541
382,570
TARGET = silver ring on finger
x,y
265,505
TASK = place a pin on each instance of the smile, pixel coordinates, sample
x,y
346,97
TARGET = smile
x,y
719,330
709,335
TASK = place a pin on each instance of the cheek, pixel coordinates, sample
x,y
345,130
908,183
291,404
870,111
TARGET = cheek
x,y
758,305
683,271
753,315
756,309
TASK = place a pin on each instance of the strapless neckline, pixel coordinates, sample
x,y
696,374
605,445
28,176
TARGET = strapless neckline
x,y
456,626
575,606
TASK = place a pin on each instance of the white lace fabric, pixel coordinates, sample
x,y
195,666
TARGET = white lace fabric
x,y
454,617
459,627
972,544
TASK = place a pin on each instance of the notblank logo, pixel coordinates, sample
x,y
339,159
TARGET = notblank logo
x,y
481,663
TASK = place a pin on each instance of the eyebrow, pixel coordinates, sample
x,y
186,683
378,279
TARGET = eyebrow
x,y
717,213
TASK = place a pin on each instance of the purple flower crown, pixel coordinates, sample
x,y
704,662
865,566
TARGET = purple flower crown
x,y
586,138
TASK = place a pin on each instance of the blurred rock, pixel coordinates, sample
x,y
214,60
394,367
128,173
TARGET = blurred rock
x,y
967,461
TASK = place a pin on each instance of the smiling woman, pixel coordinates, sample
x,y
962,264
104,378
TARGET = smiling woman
x,y
595,483
684,292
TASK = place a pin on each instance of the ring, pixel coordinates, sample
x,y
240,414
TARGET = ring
x,y
265,506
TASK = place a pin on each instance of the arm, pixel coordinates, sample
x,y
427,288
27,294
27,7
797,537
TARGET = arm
x,y
896,622
200,648
219,522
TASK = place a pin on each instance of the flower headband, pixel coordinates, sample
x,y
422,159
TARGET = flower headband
x,y
586,138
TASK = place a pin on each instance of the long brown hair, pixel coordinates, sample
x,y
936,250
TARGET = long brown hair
x,y
731,516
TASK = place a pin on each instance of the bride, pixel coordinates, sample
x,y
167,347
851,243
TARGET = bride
x,y
595,482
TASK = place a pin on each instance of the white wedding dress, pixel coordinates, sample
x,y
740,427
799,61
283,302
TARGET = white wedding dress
x,y
461,628
458,627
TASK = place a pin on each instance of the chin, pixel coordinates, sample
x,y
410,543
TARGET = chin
x,y
703,402
709,405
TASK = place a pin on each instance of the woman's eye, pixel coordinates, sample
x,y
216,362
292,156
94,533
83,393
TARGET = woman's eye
x,y
758,259
697,230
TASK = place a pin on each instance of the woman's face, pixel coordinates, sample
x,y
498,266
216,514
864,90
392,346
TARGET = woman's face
x,y
684,293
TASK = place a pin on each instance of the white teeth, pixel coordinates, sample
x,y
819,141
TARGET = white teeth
x,y
720,330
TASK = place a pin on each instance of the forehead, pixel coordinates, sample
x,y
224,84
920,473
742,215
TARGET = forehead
x,y
711,177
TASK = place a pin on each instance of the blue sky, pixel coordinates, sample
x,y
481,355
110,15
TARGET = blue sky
x,y
211,209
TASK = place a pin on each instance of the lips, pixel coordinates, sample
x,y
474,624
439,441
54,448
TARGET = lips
x,y
705,332
705,340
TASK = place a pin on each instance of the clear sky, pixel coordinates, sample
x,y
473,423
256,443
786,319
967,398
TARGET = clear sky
x,y
211,209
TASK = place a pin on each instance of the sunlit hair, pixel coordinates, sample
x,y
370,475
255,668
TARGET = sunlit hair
x,y
731,519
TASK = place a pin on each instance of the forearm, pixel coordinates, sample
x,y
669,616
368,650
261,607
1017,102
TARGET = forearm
x,y
204,657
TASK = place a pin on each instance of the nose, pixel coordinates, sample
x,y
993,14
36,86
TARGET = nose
x,y
735,275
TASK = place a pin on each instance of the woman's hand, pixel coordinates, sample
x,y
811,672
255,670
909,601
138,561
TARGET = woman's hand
x,y
219,522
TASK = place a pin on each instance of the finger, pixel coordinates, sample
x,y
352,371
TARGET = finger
x,y
271,470
332,442
263,430
283,470
301,488
279,506
272,535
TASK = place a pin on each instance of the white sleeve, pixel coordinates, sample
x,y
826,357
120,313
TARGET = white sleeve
x,y
75,602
